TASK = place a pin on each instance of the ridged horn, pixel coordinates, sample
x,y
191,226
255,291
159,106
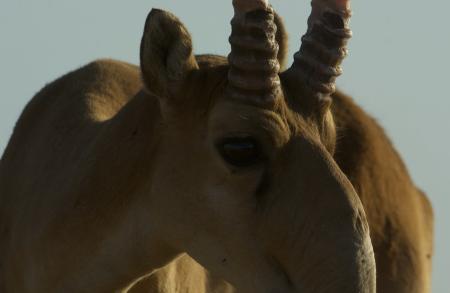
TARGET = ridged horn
x,y
324,47
253,74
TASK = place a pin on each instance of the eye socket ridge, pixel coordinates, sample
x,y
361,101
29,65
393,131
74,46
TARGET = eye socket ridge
x,y
240,152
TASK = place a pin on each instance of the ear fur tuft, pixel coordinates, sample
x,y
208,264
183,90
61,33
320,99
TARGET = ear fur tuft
x,y
166,53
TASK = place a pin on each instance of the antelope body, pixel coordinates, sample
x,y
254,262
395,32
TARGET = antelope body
x,y
202,174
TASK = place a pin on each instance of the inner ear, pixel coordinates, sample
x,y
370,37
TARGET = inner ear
x,y
166,53
282,39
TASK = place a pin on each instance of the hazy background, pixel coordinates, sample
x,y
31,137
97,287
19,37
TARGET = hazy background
x,y
398,68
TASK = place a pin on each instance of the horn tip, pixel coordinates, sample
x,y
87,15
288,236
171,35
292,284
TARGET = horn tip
x,y
244,6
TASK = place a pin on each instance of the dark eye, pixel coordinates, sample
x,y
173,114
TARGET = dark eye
x,y
240,152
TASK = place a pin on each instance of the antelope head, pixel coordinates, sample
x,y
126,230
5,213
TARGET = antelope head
x,y
245,181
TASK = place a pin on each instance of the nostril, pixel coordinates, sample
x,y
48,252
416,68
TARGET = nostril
x,y
279,269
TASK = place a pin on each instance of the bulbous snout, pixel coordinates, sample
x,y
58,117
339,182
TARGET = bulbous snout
x,y
336,263
317,229
332,258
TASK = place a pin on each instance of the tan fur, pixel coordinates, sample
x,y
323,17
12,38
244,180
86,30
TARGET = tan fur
x,y
182,275
105,185
400,216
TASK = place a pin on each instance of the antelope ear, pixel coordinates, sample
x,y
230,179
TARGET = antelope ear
x,y
282,40
166,53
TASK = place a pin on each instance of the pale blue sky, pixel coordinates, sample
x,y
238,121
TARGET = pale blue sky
x,y
397,68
